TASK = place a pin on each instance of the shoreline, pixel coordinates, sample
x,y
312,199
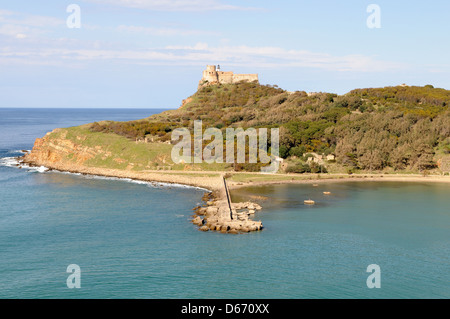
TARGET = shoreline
x,y
150,177
210,184
20,164
216,214
214,184
336,178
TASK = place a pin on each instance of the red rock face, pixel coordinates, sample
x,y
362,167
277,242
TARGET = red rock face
x,y
54,151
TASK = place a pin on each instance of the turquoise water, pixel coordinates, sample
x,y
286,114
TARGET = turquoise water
x,y
134,240
325,249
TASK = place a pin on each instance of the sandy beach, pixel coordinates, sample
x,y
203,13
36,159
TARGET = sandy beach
x,y
212,180
336,178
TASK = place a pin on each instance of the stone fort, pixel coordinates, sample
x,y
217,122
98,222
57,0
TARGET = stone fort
x,y
213,75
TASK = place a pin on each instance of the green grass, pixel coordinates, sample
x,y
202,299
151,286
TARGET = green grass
x,y
142,156
123,151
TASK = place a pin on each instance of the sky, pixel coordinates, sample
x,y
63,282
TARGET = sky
x,y
151,53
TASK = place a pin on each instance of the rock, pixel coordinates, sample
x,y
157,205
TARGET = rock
x,y
211,210
213,220
209,224
197,221
217,217
258,225
201,211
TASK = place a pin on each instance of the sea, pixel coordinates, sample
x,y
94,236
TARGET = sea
x,y
134,240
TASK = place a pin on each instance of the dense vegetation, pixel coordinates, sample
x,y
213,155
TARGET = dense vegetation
x,y
370,129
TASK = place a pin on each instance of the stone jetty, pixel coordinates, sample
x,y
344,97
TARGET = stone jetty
x,y
215,216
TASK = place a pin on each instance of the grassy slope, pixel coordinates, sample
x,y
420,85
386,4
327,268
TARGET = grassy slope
x,y
142,156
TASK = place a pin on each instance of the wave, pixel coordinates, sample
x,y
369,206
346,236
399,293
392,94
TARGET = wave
x,y
21,151
136,181
9,161
15,162
38,169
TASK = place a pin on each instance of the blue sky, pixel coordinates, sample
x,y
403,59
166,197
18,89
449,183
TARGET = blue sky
x,y
151,53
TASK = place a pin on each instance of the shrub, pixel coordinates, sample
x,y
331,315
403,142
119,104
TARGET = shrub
x,y
298,168
297,151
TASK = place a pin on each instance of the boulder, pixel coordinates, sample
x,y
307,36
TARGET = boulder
x,y
204,228
201,211
197,221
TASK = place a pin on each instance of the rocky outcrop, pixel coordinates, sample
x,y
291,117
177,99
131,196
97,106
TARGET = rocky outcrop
x,y
55,148
215,216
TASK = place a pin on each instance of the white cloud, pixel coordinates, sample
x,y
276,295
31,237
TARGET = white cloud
x,y
43,50
13,30
29,20
172,5
273,57
20,26
162,31
201,54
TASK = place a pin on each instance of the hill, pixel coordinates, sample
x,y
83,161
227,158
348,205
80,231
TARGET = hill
x,y
402,128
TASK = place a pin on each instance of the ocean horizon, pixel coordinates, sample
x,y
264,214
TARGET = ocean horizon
x,y
135,239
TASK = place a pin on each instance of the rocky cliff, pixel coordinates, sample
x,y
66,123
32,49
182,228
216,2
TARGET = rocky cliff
x,y
54,150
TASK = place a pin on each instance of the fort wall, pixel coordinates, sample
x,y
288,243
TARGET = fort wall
x,y
212,76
